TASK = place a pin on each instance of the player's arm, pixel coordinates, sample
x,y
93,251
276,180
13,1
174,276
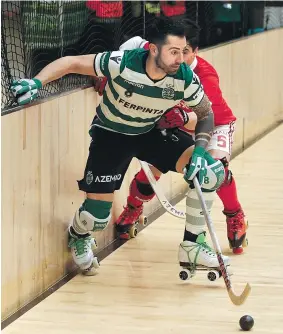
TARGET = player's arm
x,y
26,90
176,116
205,122
67,65
199,103
197,100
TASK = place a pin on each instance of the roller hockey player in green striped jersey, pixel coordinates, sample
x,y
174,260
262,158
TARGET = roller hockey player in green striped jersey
x,y
142,85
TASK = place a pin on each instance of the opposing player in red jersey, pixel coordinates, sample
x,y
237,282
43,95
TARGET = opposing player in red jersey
x,y
219,147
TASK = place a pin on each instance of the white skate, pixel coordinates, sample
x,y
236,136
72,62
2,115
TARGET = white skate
x,y
82,252
194,256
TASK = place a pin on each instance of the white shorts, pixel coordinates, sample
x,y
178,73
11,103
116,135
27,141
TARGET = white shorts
x,y
222,138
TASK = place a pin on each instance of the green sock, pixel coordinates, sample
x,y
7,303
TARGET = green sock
x,y
99,209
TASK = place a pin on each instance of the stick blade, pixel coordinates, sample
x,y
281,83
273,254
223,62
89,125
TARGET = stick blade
x,y
239,300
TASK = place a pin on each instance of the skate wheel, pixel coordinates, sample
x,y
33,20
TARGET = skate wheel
x,y
95,263
133,231
245,243
213,275
92,270
89,272
185,274
144,221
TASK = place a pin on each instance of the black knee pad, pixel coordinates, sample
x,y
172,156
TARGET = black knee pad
x,y
225,162
228,173
142,191
145,188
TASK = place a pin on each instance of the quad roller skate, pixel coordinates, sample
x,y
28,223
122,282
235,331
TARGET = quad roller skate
x,y
198,256
128,221
82,252
236,230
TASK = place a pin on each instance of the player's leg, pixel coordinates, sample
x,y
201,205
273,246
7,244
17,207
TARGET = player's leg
x,y
140,192
220,148
103,175
194,250
168,155
93,215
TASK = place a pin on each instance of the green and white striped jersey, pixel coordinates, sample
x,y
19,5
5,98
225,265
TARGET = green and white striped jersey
x,y
132,103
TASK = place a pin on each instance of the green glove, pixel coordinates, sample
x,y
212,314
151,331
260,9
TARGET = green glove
x,y
196,166
26,90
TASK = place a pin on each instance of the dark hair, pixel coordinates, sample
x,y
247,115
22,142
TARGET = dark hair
x,y
192,32
162,27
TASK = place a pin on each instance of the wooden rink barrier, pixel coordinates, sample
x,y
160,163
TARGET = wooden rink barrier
x,y
44,150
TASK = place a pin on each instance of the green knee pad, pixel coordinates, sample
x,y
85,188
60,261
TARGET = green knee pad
x,y
100,210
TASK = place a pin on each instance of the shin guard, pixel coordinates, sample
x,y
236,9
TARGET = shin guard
x,y
227,192
195,221
140,189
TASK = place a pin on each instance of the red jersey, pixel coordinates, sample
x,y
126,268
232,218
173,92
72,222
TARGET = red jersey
x,y
210,81
208,77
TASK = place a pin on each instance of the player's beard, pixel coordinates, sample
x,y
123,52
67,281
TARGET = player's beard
x,y
167,69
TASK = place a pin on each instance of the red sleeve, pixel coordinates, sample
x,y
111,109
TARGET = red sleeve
x,y
212,89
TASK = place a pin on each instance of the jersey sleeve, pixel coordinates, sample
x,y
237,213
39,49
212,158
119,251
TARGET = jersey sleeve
x,y
212,90
108,64
133,43
193,93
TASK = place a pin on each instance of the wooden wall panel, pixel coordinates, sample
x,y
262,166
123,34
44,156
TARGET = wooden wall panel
x,y
250,72
45,147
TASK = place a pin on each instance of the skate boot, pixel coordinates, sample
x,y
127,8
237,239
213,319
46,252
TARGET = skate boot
x,y
127,223
199,256
236,230
82,252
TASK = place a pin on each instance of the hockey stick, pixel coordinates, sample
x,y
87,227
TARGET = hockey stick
x,y
236,300
159,193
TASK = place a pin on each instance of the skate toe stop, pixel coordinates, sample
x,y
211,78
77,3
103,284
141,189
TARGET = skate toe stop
x,y
238,250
